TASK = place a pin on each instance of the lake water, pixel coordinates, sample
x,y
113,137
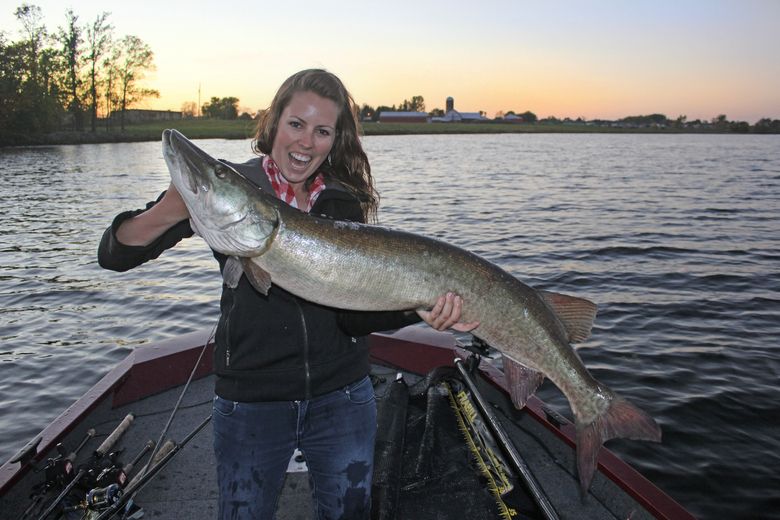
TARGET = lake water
x,y
676,237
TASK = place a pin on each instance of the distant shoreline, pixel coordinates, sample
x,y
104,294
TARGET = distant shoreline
x,y
244,129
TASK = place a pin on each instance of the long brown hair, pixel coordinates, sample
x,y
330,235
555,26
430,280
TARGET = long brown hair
x,y
347,162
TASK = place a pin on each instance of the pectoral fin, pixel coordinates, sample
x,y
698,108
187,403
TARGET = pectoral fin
x,y
257,276
232,272
576,314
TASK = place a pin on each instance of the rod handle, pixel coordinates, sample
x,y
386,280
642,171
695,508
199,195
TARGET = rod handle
x,y
111,439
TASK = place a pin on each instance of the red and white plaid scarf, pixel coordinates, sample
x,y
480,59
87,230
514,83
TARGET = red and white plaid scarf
x,y
283,189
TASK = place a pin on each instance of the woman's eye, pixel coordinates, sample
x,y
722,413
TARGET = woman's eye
x,y
324,132
295,124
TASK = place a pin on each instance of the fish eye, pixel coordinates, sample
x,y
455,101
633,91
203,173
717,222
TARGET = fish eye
x,y
220,170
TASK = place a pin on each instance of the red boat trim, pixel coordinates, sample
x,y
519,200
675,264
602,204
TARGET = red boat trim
x,y
175,358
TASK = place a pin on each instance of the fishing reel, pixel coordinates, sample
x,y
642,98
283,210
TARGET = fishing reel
x,y
101,498
59,470
112,475
102,472
97,500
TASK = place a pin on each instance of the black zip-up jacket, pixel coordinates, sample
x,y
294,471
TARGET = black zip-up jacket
x,y
277,347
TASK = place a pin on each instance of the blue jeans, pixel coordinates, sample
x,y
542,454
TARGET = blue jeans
x,y
253,443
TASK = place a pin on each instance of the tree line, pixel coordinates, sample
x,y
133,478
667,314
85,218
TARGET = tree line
x,y
720,123
69,77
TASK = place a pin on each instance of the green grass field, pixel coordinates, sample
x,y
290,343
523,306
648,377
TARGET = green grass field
x,y
194,128
244,129
204,128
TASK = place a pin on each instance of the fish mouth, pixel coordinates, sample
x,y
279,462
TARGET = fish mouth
x,y
192,162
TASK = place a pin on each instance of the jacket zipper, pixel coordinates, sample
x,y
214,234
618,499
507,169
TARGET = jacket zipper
x,y
306,367
227,329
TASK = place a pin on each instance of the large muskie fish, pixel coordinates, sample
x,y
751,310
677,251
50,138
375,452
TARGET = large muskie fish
x,y
355,266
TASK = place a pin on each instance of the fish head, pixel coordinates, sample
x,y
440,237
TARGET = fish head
x,y
226,209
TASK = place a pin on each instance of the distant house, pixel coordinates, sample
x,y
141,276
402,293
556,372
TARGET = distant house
x,y
453,116
134,115
404,117
513,118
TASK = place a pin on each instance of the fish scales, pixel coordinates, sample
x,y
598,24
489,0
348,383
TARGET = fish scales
x,y
374,268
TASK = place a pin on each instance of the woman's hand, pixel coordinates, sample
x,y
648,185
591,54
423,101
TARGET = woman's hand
x,y
145,228
446,314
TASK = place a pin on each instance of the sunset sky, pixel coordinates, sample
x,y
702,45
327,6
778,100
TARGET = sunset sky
x,y
594,59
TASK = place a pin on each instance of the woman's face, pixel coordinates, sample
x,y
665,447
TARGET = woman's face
x,y
304,136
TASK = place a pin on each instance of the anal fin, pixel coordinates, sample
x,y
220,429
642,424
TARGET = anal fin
x,y
521,381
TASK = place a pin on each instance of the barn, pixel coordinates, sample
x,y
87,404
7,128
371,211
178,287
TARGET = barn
x,y
404,117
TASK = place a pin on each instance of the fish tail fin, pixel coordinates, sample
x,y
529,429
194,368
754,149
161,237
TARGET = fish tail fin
x,y
620,420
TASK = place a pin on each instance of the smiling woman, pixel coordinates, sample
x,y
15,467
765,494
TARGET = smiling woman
x,y
304,104
303,140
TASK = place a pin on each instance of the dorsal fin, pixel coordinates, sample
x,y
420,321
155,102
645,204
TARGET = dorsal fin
x,y
576,314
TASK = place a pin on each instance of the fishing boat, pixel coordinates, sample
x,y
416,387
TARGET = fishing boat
x,y
450,444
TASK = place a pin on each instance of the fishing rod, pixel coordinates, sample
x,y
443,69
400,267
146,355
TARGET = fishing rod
x,y
181,395
56,471
97,455
152,468
118,474
533,486
109,484
143,478
128,468
153,460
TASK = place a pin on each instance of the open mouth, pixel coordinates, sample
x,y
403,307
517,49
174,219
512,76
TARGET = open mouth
x,y
299,160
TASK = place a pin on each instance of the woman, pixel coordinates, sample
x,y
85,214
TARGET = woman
x,y
289,373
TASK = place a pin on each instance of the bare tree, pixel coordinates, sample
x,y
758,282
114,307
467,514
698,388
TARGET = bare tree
x,y
30,17
99,36
135,58
110,75
41,76
189,109
71,40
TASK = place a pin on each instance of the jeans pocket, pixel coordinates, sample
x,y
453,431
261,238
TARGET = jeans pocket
x,y
361,392
224,407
